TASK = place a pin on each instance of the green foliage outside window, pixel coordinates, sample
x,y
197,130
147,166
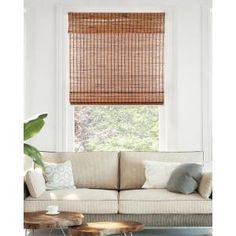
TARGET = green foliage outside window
x,y
116,128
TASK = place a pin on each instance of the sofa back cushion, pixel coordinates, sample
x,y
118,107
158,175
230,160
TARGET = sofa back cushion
x,y
132,172
90,169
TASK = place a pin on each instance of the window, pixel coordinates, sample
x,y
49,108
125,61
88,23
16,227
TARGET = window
x,y
116,128
116,80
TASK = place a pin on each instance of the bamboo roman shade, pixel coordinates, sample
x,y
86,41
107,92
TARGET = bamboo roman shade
x,y
116,58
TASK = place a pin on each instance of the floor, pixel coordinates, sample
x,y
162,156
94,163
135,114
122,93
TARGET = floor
x,y
146,232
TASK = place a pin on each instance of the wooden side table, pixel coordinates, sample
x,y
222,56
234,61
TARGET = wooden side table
x,y
40,220
106,228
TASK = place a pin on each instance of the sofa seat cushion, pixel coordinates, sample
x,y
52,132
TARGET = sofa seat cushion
x,y
161,201
88,201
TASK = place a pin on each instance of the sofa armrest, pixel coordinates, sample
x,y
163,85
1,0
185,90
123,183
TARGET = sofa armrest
x,y
35,183
205,186
26,191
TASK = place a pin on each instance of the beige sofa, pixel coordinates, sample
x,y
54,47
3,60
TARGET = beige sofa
x,y
109,188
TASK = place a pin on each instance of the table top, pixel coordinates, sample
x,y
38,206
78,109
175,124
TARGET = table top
x,y
107,228
40,220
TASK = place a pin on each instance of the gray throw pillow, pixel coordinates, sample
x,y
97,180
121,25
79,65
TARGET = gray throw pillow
x,y
185,178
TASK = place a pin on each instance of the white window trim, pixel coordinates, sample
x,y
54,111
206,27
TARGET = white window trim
x,y
64,111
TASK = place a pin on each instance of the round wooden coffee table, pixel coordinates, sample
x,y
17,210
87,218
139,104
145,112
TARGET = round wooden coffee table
x,y
106,228
40,220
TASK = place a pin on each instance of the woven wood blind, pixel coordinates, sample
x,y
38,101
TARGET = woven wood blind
x,y
116,58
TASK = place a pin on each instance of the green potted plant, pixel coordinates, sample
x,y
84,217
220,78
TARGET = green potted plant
x,y
31,128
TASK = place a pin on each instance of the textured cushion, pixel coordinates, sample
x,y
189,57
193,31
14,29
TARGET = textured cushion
x,y
90,201
59,176
132,175
161,201
35,183
185,178
90,169
205,186
157,220
158,173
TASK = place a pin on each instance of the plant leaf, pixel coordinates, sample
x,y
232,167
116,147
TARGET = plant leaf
x,y
42,116
34,154
32,127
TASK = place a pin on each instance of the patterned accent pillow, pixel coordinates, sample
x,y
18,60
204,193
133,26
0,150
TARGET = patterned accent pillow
x,y
59,176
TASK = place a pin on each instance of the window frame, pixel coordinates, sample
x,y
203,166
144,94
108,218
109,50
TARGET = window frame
x,y
65,111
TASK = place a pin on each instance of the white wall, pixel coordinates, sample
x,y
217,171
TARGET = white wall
x,y
188,119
